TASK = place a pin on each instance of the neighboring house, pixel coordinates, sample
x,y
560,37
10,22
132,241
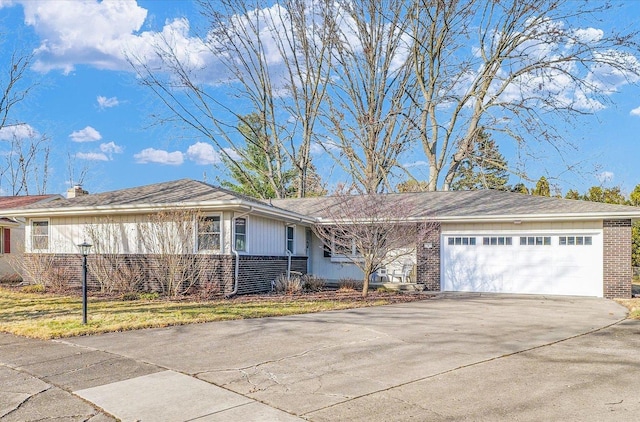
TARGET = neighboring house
x,y
12,233
483,241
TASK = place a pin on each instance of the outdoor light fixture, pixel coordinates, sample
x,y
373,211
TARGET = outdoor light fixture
x,y
84,250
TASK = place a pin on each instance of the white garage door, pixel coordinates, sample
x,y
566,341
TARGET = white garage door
x,y
560,264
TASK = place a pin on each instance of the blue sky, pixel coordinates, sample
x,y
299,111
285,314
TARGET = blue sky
x,y
88,103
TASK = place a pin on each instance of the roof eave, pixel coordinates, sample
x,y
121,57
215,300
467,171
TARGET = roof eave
x,y
148,208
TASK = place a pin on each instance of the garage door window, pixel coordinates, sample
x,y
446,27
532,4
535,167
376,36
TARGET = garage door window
x,y
535,240
462,240
497,241
576,240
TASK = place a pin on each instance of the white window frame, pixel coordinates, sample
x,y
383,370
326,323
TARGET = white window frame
x,y
246,234
340,257
220,234
575,240
461,240
291,227
32,235
535,240
491,240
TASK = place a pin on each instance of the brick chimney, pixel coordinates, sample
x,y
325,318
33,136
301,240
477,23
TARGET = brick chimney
x,y
76,191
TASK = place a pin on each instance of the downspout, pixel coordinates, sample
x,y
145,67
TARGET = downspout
x,y
288,264
236,269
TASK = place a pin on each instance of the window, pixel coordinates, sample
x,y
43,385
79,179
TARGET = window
x,y
462,240
240,230
39,235
342,245
290,230
497,240
209,233
576,240
5,240
535,240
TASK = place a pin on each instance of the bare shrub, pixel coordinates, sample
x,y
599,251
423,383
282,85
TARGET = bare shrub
x,y
170,238
288,285
114,271
349,284
209,290
311,283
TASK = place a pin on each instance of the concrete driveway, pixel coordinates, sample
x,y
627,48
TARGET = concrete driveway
x,y
465,357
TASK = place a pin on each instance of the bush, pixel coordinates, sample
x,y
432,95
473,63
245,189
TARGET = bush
x,y
290,285
349,284
130,296
311,283
148,295
33,288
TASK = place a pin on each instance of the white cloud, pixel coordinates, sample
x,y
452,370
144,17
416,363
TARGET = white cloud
x,y
88,134
232,154
635,111
317,148
605,176
92,156
203,153
152,155
22,131
416,164
104,102
588,35
111,148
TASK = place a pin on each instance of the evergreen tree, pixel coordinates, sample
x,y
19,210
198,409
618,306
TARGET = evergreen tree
x,y
542,188
572,194
485,168
257,171
520,188
412,185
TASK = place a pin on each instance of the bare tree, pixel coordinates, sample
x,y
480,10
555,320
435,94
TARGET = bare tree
x,y
25,171
169,238
365,108
273,60
371,231
13,89
516,68
109,265
26,166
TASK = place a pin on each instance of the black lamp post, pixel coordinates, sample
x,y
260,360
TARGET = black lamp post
x,y
84,250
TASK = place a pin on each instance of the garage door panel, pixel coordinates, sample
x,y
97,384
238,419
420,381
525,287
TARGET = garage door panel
x,y
536,269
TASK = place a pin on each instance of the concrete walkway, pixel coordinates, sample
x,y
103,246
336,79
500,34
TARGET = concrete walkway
x,y
466,357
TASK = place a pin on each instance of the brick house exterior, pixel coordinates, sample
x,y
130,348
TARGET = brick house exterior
x,y
617,258
473,217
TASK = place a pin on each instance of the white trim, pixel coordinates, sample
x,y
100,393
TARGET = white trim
x,y
31,246
293,238
246,234
197,234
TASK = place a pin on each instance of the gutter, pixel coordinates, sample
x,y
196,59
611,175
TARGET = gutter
x,y
236,269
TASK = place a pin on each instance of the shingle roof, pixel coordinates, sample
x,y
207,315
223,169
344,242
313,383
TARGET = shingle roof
x,y
174,192
467,204
8,202
452,205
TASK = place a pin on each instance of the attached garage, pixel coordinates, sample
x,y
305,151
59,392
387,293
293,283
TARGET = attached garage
x,y
556,260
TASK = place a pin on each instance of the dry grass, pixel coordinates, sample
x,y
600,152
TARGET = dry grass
x,y
48,316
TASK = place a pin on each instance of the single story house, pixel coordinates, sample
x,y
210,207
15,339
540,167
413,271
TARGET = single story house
x,y
12,233
483,241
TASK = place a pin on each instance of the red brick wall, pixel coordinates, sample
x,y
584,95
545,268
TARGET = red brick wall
x,y
617,258
428,259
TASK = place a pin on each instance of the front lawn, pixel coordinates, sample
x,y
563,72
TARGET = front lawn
x,y
49,316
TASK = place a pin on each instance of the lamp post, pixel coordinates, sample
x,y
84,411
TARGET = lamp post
x,y
84,250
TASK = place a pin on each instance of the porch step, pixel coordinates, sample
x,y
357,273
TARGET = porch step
x,y
405,287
